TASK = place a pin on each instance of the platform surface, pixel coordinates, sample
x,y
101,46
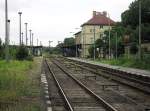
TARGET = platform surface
x,y
124,69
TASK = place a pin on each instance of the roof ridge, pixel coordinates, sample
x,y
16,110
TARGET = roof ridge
x,y
99,19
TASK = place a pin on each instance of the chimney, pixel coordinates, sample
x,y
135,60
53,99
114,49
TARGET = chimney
x,y
94,13
105,13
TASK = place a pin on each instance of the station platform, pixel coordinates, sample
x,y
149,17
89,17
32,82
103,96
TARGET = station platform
x,y
133,71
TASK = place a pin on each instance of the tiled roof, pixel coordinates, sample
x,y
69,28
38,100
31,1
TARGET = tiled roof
x,y
99,19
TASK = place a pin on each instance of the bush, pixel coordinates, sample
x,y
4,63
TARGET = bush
x,y
29,58
22,53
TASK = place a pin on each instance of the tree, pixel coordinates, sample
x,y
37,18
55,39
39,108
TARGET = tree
x,y
1,44
117,33
69,41
1,49
131,16
130,20
98,44
103,43
22,53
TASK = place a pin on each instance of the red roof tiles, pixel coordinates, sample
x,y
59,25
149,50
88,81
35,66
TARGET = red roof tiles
x,y
99,19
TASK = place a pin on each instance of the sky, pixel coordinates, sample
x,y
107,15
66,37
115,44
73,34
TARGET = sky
x,y
55,20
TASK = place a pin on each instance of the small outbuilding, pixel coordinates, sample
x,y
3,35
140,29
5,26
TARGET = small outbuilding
x,y
37,50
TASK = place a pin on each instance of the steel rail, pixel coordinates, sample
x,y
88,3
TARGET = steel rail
x,y
118,75
104,103
114,73
60,88
123,77
131,79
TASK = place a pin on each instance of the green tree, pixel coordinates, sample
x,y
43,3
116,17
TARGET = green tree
x,y
22,53
131,16
1,49
130,20
13,50
1,44
116,37
98,44
69,41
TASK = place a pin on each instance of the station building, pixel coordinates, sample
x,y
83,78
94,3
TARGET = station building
x,y
93,28
78,42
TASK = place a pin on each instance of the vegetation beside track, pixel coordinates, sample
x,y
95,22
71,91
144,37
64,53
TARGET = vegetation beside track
x,y
19,84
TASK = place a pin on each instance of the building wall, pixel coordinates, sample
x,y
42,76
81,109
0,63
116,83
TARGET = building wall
x,y
87,38
78,39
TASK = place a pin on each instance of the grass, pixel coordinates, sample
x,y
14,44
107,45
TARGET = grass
x,y
17,83
12,79
132,62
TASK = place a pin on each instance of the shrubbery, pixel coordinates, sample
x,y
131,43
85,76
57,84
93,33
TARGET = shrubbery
x,y
132,62
23,54
1,49
15,52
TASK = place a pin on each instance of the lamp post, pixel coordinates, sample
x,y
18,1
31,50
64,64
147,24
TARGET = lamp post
x,y
32,43
20,13
109,38
104,41
60,45
22,38
50,45
37,41
40,43
6,32
92,41
26,29
139,30
116,45
94,51
7,42
30,37
83,46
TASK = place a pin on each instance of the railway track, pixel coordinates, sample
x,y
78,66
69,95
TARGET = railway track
x,y
139,82
76,96
125,98
57,101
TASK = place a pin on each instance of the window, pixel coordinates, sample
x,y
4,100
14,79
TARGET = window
x,y
101,26
91,30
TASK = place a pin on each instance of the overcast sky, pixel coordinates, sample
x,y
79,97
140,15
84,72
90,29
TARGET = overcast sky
x,y
55,19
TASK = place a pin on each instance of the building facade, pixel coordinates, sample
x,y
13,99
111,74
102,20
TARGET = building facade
x,y
92,30
78,42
